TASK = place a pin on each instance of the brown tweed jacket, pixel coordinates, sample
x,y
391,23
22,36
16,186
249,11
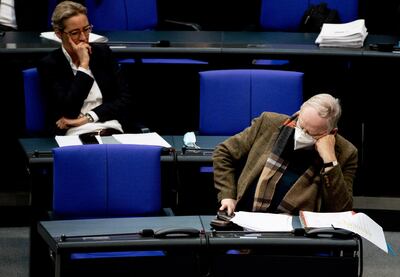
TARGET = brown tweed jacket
x,y
239,160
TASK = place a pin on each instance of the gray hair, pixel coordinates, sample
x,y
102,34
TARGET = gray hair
x,y
327,107
65,10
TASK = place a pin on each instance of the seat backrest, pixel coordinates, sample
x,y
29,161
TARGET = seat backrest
x,y
105,180
117,15
107,15
348,9
34,102
141,14
286,15
230,99
51,5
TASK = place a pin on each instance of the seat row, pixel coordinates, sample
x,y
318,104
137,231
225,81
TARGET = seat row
x,y
275,15
229,99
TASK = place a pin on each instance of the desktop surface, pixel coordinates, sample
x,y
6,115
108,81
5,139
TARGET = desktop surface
x,y
216,253
39,150
191,43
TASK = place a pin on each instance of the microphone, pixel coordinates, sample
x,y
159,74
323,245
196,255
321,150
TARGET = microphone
x,y
158,43
195,149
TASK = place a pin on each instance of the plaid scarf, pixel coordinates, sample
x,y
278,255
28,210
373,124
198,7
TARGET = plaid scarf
x,y
273,169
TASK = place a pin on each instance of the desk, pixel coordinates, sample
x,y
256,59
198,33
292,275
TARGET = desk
x,y
40,163
99,235
185,195
201,43
123,43
271,253
280,254
38,150
280,44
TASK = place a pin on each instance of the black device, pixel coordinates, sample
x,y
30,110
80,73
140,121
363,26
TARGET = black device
x,y
328,232
176,232
88,138
170,232
222,222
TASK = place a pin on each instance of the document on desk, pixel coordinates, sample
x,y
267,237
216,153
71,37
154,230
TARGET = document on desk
x,y
351,34
74,140
92,37
144,139
358,223
263,222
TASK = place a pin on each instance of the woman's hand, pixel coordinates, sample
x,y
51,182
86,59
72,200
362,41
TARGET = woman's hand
x,y
66,123
82,51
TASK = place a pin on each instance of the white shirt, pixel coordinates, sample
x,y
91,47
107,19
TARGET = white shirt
x,y
94,99
7,14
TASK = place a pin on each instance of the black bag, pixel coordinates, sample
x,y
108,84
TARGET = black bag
x,y
315,16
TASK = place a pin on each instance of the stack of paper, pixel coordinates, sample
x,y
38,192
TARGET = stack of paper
x,y
265,222
358,223
92,37
144,139
351,35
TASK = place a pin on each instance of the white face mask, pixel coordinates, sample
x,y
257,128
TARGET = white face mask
x,y
302,139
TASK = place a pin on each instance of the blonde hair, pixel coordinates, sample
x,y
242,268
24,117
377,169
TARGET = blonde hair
x,y
327,107
65,10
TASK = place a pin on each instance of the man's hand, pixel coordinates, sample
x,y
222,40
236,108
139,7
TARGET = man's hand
x,y
326,148
229,205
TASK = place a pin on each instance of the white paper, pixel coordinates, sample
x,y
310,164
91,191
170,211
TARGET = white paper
x,y
144,139
343,30
72,140
263,222
358,223
351,34
323,220
68,140
92,37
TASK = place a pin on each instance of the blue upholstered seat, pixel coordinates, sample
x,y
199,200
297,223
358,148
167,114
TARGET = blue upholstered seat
x,y
129,15
34,102
286,15
107,180
230,99
117,15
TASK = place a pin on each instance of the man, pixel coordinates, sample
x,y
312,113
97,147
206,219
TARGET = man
x,y
85,89
286,164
